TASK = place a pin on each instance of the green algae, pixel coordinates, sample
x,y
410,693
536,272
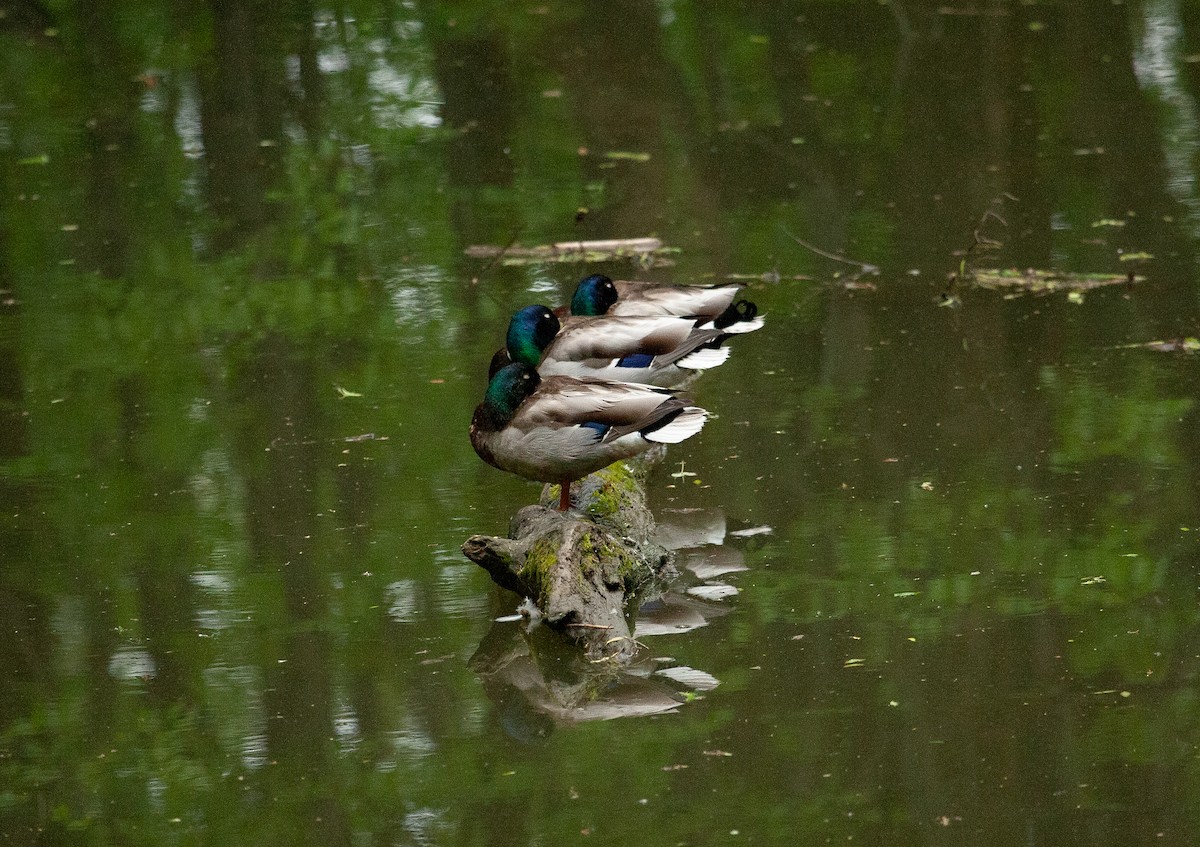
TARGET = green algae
x,y
616,485
540,559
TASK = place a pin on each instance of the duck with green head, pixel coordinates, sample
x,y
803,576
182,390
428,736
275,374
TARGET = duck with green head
x,y
664,350
559,428
712,306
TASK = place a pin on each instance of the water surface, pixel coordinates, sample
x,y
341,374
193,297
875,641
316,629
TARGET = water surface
x,y
240,342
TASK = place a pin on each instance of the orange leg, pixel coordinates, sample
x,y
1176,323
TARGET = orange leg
x,y
564,500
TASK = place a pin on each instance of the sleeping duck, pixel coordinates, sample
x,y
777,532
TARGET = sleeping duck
x,y
663,350
713,306
559,429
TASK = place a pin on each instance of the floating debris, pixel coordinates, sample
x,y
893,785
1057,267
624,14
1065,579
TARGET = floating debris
x,y
649,251
1033,281
1191,344
681,473
627,156
769,277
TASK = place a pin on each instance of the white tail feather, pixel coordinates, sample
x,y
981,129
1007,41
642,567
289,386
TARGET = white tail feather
x,y
739,328
705,357
686,424
744,326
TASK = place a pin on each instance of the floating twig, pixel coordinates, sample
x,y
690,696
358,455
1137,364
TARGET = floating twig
x,y
864,267
980,242
1190,344
770,276
1035,281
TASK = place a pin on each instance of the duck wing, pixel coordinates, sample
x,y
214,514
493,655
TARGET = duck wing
x,y
570,401
699,301
644,342
570,427
701,349
611,409
616,337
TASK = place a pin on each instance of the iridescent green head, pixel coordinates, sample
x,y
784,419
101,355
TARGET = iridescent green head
x,y
509,388
529,334
594,296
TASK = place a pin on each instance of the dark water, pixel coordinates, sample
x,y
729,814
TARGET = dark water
x,y
240,343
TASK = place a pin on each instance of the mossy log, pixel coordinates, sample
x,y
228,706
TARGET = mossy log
x,y
580,567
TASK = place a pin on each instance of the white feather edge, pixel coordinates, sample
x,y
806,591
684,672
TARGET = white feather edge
x,y
739,328
686,424
705,357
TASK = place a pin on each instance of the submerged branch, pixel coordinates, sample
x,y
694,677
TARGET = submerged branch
x,y
864,267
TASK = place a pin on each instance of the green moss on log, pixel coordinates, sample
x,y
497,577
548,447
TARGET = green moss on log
x,y
580,567
539,561
624,567
616,563
597,554
617,485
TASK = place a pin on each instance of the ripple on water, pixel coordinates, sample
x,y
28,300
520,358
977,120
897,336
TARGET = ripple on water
x,y
346,728
131,663
457,594
405,605
220,584
413,742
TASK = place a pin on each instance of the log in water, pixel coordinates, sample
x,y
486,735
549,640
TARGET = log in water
x,y
581,567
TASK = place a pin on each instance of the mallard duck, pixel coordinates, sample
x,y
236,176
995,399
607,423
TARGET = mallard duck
x,y
713,306
663,350
559,429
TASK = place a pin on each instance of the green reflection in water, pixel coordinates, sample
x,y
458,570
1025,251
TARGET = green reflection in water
x,y
239,344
